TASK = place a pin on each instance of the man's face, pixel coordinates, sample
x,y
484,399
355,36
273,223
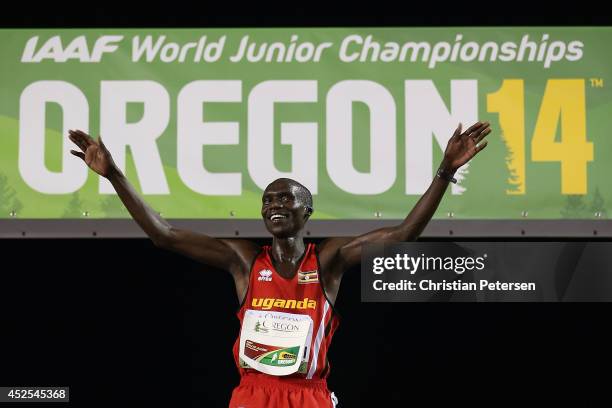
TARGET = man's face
x,y
283,212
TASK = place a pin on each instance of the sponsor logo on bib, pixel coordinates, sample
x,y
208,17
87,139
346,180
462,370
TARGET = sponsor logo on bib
x,y
271,355
260,328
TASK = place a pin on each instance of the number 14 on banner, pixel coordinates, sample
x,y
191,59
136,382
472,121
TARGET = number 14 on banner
x,y
564,100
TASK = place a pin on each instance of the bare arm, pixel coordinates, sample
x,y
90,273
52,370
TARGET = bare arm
x,y
339,254
208,250
234,256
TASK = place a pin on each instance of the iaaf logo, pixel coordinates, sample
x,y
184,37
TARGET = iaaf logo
x,y
265,275
77,49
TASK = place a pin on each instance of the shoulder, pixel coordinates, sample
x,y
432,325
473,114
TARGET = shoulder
x,y
246,251
329,250
241,245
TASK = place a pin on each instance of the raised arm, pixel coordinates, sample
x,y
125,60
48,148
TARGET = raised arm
x,y
342,253
234,256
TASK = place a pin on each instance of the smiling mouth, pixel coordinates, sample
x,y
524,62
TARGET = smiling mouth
x,y
278,218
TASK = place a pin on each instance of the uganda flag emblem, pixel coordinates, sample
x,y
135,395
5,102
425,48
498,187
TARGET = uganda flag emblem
x,y
308,276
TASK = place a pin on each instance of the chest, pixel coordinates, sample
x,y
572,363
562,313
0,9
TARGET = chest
x,y
286,269
285,280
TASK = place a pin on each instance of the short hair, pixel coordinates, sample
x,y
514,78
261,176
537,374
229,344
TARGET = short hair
x,y
303,194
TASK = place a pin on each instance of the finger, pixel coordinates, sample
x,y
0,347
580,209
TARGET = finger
x,y
78,154
78,137
481,128
481,146
482,135
84,137
473,128
75,133
77,141
457,132
79,132
475,134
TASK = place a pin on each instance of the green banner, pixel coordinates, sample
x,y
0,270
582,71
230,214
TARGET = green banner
x,y
201,120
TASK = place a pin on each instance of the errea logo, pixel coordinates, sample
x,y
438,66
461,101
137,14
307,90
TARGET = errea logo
x,y
265,275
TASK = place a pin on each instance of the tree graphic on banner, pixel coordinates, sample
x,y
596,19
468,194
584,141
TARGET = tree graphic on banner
x,y
598,205
9,203
574,207
112,207
74,209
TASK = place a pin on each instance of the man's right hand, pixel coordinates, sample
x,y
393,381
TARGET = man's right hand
x,y
93,153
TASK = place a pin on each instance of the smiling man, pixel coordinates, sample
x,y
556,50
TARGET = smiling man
x,y
287,289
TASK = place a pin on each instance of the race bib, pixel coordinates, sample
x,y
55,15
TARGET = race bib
x,y
275,343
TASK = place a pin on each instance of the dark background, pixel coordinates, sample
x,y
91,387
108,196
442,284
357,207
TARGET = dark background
x,y
125,324
120,322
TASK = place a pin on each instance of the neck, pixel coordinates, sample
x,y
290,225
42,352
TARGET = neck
x,y
288,248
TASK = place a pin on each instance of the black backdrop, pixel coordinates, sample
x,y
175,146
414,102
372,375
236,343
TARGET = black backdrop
x,y
122,322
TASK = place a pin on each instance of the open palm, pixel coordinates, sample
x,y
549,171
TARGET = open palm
x,y
93,153
463,146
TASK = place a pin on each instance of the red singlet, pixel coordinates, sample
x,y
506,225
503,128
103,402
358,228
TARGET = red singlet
x,y
302,294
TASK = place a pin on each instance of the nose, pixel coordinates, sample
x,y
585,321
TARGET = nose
x,y
273,204
276,203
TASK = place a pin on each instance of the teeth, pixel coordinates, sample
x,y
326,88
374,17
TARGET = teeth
x,y
277,216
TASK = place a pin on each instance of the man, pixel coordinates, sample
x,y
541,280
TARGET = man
x,y
286,290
